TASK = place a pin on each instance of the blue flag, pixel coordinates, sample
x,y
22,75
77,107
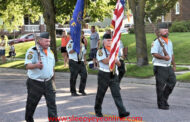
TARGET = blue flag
x,y
123,2
75,25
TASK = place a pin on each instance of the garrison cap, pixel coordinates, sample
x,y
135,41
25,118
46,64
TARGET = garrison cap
x,y
163,25
44,35
107,36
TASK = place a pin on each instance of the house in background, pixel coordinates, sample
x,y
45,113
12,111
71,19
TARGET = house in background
x,y
28,27
180,12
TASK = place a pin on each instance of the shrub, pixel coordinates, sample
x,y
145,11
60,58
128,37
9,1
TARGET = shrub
x,y
131,30
180,26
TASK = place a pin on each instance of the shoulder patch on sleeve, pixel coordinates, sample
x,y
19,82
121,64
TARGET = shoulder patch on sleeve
x,y
69,45
30,56
100,53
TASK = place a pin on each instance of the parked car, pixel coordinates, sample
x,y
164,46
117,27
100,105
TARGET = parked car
x,y
24,38
128,25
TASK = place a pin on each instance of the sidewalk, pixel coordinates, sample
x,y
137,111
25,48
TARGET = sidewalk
x,y
146,81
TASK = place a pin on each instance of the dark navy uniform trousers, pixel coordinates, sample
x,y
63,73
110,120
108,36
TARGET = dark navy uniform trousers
x,y
105,80
121,70
75,69
35,91
165,82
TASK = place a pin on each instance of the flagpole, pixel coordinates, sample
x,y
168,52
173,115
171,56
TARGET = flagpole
x,y
83,23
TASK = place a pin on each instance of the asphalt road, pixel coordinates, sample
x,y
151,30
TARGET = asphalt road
x,y
139,98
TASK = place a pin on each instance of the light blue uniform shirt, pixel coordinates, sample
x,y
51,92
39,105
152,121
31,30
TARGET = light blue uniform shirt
x,y
156,48
74,56
48,64
101,54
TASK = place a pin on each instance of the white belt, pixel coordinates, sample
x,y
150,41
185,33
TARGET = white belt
x,y
42,80
104,70
163,65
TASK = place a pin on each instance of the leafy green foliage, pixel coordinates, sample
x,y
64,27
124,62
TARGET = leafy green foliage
x,y
64,10
98,10
13,11
155,8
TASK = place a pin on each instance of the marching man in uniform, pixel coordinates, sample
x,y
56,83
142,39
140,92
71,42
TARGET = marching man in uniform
x,y
108,79
77,66
40,64
163,71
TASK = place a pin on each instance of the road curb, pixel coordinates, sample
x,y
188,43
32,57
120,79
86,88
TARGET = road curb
x,y
147,81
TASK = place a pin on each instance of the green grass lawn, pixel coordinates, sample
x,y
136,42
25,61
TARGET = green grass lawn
x,y
132,70
184,77
180,42
181,50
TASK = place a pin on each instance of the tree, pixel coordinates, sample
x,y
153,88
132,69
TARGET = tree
x,y
53,11
62,10
49,16
142,9
12,12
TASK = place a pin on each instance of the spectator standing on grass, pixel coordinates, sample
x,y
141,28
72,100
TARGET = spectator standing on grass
x,y
94,45
64,40
2,49
11,50
84,40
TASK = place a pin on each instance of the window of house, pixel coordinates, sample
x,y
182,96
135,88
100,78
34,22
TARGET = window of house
x,y
27,21
177,8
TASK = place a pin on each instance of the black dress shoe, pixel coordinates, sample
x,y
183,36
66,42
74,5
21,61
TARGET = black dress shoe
x,y
124,115
83,93
74,94
99,114
163,107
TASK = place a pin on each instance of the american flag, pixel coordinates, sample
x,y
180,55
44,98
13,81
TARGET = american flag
x,y
116,24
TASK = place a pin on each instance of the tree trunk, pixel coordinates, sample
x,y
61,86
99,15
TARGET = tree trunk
x,y
49,17
138,9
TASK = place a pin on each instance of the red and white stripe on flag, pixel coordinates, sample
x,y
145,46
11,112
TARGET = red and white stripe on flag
x,y
116,24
